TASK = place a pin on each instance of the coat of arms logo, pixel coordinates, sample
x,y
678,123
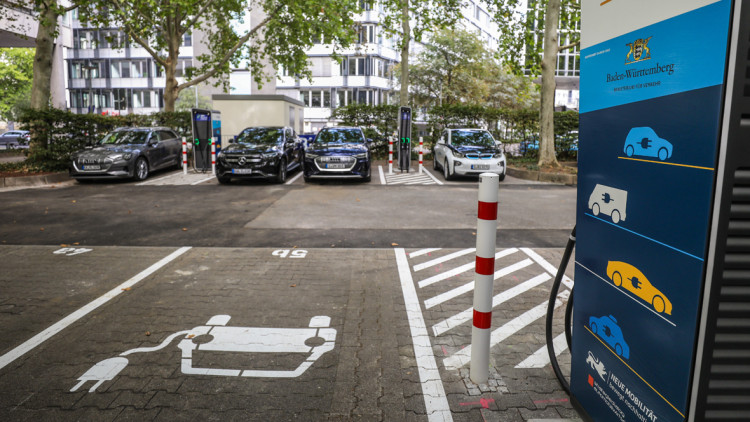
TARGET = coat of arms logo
x,y
639,51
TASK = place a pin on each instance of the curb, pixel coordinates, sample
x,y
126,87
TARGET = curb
x,y
565,179
41,180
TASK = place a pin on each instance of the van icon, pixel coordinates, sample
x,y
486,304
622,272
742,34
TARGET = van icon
x,y
609,201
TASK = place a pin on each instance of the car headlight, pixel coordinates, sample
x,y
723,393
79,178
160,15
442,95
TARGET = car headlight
x,y
458,154
498,155
363,155
311,155
268,155
119,157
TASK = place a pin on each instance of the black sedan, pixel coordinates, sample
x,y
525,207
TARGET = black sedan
x,y
338,152
128,152
260,152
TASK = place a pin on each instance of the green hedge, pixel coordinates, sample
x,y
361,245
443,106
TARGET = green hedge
x,y
56,134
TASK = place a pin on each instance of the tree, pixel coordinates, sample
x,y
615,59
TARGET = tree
x,y
16,75
521,38
414,19
186,101
281,37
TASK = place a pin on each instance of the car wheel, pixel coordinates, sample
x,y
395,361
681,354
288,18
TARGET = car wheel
x,y
615,216
617,279
368,178
501,177
435,164
658,303
447,171
663,154
223,180
141,169
629,151
595,209
281,175
618,349
593,328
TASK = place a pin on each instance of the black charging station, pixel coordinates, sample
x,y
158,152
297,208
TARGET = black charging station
x,y
404,144
202,138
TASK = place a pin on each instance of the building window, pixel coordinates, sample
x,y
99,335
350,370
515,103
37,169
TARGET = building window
x,y
187,40
356,66
304,96
327,98
314,98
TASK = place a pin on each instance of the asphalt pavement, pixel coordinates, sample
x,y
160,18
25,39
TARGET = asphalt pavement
x,y
255,301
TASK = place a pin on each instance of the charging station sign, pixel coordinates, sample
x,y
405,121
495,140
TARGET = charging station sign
x,y
651,98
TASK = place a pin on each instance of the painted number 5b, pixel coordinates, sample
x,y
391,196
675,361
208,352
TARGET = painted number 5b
x,y
283,253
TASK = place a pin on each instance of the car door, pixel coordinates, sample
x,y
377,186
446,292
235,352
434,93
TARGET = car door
x,y
157,150
289,144
173,147
440,148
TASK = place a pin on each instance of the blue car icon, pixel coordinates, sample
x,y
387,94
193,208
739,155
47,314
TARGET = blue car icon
x,y
643,141
607,329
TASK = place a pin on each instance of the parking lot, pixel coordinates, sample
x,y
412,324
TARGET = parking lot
x,y
257,301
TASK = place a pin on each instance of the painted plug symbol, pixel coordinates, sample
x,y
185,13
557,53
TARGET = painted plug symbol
x,y
645,143
102,371
607,198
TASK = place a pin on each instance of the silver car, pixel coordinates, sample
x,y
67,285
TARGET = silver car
x,y
131,152
468,152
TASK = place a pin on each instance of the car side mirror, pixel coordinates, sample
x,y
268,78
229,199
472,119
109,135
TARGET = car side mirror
x,y
152,142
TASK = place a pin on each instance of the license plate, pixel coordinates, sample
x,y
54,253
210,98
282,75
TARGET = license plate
x,y
480,166
242,171
336,166
91,167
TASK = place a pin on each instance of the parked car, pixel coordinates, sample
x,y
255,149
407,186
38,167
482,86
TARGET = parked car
x,y
266,152
644,142
128,152
339,152
607,329
468,152
632,279
15,139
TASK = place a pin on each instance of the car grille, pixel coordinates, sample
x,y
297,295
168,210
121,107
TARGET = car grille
x,y
250,160
476,156
336,160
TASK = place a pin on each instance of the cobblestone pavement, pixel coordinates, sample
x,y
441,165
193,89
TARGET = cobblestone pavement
x,y
208,333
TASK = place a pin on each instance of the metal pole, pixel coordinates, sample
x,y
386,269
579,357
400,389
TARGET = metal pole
x,y
213,157
421,149
483,277
390,155
184,156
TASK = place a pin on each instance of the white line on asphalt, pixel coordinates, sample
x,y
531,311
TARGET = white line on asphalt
x,y
422,252
80,313
435,400
290,181
201,181
433,177
382,177
406,180
461,269
540,358
448,257
153,181
463,356
467,315
458,291
547,266
420,182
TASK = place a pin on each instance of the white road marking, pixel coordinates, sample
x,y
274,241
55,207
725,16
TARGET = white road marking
x,y
433,177
80,313
458,291
382,177
435,400
422,252
442,259
154,181
461,269
290,181
201,181
463,356
540,358
466,316
547,266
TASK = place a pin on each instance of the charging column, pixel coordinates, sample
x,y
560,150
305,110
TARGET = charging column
x,y
404,141
662,295
202,138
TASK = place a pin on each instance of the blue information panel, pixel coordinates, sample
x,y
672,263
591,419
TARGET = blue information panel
x,y
652,80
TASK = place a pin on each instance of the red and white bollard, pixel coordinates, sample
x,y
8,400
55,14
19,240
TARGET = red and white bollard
x,y
184,156
390,155
483,277
421,149
213,157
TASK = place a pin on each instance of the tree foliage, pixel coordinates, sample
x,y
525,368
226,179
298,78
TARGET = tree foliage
x,y
16,75
280,36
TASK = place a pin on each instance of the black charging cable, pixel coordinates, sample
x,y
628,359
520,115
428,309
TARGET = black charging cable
x,y
568,312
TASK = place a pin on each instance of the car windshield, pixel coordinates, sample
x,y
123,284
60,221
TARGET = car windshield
x,y
125,137
260,136
477,138
340,136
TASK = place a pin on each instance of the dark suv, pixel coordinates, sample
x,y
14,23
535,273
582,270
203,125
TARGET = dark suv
x,y
340,152
268,152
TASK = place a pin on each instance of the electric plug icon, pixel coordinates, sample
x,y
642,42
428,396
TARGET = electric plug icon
x,y
105,370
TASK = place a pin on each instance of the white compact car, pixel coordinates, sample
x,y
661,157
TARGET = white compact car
x,y
468,152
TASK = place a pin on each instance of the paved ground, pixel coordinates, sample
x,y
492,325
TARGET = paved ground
x,y
114,312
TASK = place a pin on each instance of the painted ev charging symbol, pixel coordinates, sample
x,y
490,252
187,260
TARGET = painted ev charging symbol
x,y
215,336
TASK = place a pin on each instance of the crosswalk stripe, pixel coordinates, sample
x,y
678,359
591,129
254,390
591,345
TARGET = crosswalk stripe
x,y
442,259
463,356
458,291
422,252
461,269
540,358
467,315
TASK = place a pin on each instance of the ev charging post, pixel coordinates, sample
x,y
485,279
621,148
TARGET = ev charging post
x,y
404,141
662,296
202,138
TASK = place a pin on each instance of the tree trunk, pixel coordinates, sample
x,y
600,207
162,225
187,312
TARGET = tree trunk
x,y
406,30
171,91
41,85
547,109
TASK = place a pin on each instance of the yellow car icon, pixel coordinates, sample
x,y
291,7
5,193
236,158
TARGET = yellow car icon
x,y
632,279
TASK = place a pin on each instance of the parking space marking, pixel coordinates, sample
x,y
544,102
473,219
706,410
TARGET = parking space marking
x,y
433,392
422,252
293,179
201,181
410,178
159,180
382,176
80,313
459,270
433,177
540,358
442,259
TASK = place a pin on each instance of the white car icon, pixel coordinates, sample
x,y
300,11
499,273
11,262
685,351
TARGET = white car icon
x,y
609,201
